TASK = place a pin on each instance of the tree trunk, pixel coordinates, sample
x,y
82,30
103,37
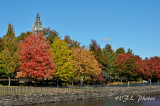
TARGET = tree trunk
x,y
81,82
121,80
9,80
128,83
35,84
150,81
72,83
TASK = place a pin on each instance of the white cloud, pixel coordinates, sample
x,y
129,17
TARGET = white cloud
x,y
106,39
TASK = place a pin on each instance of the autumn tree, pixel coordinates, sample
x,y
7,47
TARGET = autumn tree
x,y
100,78
22,36
71,43
62,58
99,55
50,34
35,59
119,51
107,50
146,70
125,65
151,68
130,51
85,64
8,63
1,44
156,66
9,56
139,64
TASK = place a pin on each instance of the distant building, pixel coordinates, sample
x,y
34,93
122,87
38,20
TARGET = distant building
x,y
37,26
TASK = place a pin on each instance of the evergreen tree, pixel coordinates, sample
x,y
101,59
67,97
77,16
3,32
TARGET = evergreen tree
x,y
107,50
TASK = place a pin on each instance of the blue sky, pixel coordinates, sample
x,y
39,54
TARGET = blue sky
x,y
133,24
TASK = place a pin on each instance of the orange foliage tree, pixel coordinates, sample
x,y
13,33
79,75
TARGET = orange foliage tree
x,y
35,60
85,65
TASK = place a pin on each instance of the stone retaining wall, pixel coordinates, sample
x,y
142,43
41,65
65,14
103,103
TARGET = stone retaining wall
x,y
8,100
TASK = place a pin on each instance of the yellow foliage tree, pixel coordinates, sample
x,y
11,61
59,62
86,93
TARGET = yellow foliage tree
x,y
61,55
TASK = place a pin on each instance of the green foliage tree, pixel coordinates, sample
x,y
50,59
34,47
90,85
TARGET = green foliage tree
x,y
107,50
22,36
119,51
62,58
50,34
9,56
130,51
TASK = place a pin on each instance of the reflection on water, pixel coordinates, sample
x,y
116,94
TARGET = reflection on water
x,y
108,102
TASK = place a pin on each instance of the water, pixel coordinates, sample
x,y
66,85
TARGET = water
x,y
112,101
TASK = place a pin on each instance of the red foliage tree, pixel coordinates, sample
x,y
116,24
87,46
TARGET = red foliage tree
x,y
35,60
100,78
126,65
155,61
146,70
150,68
139,64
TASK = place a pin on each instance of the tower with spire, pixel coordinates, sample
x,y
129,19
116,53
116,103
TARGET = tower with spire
x,y
37,26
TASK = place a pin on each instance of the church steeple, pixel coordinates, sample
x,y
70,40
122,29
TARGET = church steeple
x,y
37,26
37,15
